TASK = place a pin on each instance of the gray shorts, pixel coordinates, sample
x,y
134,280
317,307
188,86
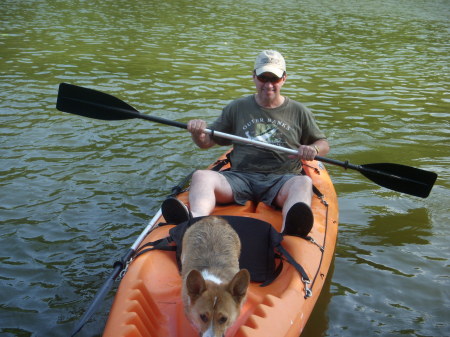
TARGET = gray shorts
x,y
259,187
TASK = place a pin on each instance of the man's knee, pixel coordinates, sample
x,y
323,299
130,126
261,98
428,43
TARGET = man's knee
x,y
208,178
204,176
302,182
197,176
205,182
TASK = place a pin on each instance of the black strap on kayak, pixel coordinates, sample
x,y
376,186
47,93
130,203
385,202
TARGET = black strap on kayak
x,y
276,272
305,279
317,192
161,244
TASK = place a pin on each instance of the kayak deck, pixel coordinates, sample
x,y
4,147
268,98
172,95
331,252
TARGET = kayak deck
x,y
148,301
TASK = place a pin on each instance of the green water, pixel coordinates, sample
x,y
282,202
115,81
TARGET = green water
x,y
76,192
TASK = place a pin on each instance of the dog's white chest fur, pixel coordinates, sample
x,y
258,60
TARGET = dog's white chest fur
x,y
207,276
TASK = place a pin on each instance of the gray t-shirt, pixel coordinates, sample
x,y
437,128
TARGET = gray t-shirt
x,y
288,125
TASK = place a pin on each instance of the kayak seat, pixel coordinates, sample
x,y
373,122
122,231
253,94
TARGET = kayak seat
x,y
261,251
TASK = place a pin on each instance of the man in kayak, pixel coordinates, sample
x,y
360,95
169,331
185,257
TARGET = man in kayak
x,y
256,173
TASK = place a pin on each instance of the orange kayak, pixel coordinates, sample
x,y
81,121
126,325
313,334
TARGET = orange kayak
x,y
148,300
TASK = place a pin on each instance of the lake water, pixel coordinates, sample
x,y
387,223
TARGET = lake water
x,y
76,192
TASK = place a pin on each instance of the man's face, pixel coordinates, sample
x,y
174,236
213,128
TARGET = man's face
x,y
268,85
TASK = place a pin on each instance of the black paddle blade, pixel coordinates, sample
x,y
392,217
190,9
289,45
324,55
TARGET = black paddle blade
x,y
92,103
401,178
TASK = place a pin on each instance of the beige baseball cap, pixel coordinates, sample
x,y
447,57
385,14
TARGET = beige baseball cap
x,y
270,61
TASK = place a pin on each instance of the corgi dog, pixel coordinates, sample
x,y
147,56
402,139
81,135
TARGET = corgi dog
x,y
213,288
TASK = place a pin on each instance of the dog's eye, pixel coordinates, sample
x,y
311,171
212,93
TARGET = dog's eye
x,y
204,318
222,320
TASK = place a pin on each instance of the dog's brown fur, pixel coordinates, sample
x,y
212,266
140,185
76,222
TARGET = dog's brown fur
x,y
213,286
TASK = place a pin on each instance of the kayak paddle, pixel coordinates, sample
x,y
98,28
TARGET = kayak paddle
x,y
95,104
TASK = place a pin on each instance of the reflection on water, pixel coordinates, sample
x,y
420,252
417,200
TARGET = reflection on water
x,y
387,228
76,192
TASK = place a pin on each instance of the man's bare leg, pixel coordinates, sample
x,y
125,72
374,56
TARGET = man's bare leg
x,y
207,188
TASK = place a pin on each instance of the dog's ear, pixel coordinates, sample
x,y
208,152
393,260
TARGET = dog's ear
x,y
239,284
195,284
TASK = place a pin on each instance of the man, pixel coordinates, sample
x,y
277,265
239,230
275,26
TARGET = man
x,y
258,174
